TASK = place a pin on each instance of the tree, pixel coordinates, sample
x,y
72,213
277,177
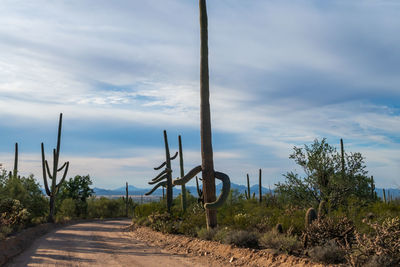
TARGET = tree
x,y
78,189
329,176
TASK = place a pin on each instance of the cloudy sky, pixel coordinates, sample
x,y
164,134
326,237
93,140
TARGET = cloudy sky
x,y
282,73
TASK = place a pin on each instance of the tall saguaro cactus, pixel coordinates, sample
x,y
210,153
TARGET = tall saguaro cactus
x,y
247,192
166,174
183,191
126,200
53,190
14,173
15,170
207,166
342,159
259,187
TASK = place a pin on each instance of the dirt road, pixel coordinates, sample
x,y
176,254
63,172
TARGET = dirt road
x,y
99,243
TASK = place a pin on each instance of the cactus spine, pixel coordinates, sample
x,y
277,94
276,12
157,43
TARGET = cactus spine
x,y
247,192
53,190
259,187
166,175
183,191
207,166
311,215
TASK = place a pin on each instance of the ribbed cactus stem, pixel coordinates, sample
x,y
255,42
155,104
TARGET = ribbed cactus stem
x,y
247,193
322,209
15,171
342,159
183,191
384,195
259,187
372,187
126,200
311,215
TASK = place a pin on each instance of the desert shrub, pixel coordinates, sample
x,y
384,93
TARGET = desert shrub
x,y
163,222
382,246
67,210
4,231
12,214
329,253
221,233
320,232
105,208
206,234
287,243
242,238
193,220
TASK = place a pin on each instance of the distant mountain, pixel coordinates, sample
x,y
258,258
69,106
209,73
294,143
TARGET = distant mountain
x,y
133,190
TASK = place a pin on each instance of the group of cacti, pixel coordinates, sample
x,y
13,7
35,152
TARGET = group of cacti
x,y
53,190
164,178
247,192
211,203
312,214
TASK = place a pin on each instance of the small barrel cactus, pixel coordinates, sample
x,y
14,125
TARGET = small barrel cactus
x,y
311,215
322,209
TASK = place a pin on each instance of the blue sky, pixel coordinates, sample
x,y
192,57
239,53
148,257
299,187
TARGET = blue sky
x,y
282,73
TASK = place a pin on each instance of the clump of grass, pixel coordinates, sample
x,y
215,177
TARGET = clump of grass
x,y
287,243
242,238
206,234
329,253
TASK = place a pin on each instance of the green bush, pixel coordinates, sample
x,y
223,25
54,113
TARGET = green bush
x,y
13,214
242,238
67,210
287,243
206,234
105,208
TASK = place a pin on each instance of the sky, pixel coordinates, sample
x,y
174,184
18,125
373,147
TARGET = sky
x,y
282,73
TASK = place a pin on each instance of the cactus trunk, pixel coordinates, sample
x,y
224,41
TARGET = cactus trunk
x,y
169,178
384,195
126,200
342,159
205,121
15,171
183,191
247,193
259,187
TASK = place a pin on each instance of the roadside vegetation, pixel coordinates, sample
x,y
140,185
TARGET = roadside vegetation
x,y
330,213
23,203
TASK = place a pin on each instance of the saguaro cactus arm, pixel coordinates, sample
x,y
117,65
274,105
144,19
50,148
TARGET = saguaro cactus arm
x,y
226,187
174,156
159,167
166,171
163,184
64,176
199,191
44,164
192,173
165,176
